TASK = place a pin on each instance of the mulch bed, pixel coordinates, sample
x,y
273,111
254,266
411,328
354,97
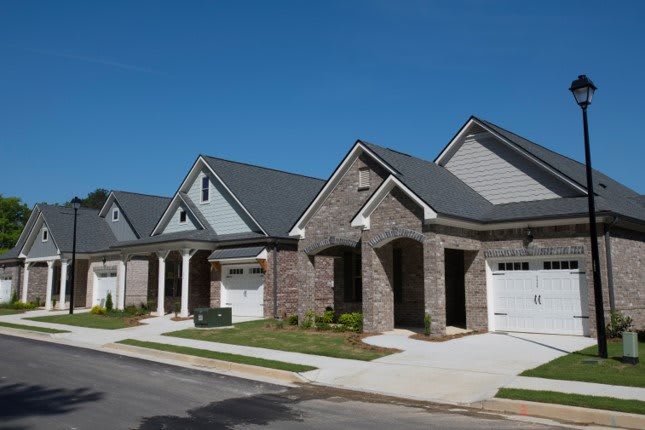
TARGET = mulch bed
x,y
434,338
181,318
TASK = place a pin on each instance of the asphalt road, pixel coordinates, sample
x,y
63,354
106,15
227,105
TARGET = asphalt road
x,y
50,386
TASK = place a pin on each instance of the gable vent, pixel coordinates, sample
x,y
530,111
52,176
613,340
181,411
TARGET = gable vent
x,y
363,178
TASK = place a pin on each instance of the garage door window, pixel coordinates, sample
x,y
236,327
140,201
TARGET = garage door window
x,y
561,265
512,266
238,271
256,271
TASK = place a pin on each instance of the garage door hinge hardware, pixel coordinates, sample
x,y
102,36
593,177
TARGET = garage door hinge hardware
x,y
581,316
499,313
499,274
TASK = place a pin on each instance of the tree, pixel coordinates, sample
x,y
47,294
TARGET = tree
x,y
13,217
93,200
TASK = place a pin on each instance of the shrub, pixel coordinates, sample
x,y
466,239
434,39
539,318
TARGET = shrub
x,y
309,320
14,297
292,320
176,307
98,310
618,324
108,302
37,301
152,305
279,324
427,324
18,306
352,321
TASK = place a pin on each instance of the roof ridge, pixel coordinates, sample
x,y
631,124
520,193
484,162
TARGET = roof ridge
x,y
141,194
397,152
262,167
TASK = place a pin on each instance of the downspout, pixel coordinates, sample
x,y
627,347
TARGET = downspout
x,y
610,270
275,280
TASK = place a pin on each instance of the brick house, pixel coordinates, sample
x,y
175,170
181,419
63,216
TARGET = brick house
x,y
492,235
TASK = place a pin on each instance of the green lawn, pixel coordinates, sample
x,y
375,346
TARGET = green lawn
x,y
593,402
264,334
87,319
32,328
7,311
235,358
581,366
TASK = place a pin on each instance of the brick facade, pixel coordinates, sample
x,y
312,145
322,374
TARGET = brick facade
x,y
136,283
628,262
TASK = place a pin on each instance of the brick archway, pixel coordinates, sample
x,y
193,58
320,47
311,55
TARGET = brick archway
x,y
393,234
329,242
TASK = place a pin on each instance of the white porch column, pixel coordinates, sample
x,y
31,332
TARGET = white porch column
x,y
186,255
50,283
161,282
120,290
63,283
25,283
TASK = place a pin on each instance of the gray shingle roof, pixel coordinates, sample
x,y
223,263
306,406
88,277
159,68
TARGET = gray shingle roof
x,y
142,210
448,195
232,253
207,235
273,197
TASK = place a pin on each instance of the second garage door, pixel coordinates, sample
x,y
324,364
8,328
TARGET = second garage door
x,y
243,289
540,296
105,282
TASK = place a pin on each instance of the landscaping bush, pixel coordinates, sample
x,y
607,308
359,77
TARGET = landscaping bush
x,y
352,321
292,320
18,306
309,320
176,307
618,324
279,324
14,297
98,310
108,302
427,324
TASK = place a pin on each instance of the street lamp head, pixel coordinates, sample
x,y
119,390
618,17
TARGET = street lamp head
x,y
583,89
76,203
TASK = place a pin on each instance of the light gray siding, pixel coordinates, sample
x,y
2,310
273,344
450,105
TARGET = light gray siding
x,y
501,174
121,229
174,225
221,211
42,249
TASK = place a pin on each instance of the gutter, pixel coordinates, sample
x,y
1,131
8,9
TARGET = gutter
x,y
610,269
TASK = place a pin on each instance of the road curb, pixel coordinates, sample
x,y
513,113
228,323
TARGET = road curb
x,y
210,363
572,414
31,334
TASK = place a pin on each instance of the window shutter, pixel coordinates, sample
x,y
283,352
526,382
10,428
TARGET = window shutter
x,y
363,178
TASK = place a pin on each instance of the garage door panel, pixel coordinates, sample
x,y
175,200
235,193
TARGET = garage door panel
x,y
243,290
536,300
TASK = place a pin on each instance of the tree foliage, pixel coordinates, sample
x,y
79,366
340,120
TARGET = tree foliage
x,y
13,217
93,200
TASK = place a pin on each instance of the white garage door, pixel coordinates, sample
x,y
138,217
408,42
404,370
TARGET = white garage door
x,y
243,289
540,296
5,290
105,281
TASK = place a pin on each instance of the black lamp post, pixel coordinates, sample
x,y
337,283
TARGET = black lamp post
x,y
583,90
76,203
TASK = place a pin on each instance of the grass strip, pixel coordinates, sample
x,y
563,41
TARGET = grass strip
x,y
224,356
585,366
31,327
86,319
580,400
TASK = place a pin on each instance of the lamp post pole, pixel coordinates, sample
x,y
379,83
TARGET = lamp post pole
x,y
76,203
583,90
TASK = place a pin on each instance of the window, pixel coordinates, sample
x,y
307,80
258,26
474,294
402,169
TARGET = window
x,y
561,265
115,215
513,266
205,189
256,271
363,179
182,216
45,236
238,271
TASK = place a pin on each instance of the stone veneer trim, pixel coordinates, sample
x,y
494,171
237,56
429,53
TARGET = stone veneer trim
x,y
396,233
320,245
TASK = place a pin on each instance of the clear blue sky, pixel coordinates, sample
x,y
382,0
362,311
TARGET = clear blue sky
x,y
125,95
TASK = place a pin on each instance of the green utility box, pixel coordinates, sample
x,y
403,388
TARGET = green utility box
x,y
630,347
213,317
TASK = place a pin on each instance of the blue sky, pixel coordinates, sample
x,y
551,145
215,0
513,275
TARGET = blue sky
x,y
125,95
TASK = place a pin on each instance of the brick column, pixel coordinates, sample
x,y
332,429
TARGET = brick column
x,y
307,271
434,283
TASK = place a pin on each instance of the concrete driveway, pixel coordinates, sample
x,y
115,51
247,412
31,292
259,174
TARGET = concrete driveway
x,y
459,371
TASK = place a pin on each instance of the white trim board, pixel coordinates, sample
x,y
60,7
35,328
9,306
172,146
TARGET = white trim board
x,y
298,230
362,218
